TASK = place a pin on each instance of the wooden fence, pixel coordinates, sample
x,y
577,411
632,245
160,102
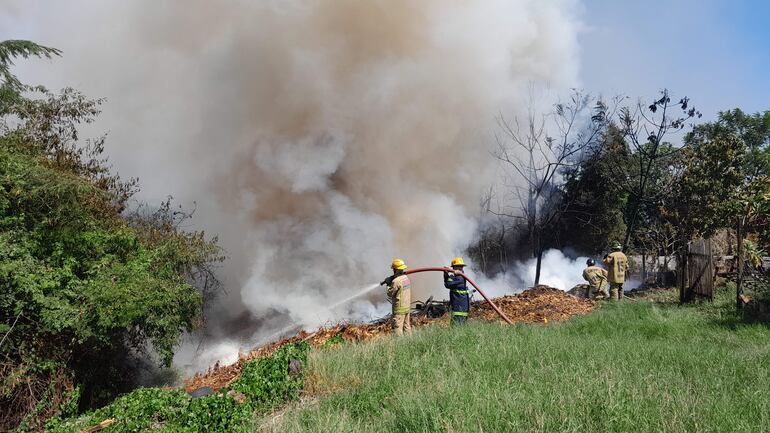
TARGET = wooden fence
x,y
700,271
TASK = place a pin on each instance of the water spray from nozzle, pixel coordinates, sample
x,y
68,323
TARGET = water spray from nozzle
x,y
294,326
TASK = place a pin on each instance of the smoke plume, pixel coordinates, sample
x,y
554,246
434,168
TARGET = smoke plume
x,y
320,139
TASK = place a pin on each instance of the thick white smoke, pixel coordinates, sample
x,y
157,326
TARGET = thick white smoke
x,y
557,270
320,139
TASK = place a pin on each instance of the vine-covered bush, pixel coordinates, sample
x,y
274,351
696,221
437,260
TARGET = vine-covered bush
x,y
87,286
264,384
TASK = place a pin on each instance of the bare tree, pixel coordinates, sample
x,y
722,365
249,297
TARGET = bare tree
x,y
535,154
490,250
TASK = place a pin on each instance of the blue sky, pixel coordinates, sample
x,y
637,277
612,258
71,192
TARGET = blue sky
x,y
715,52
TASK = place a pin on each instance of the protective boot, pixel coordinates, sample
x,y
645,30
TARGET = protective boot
x,y
616,290
604,290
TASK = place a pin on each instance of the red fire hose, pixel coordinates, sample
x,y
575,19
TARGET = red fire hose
x,y
478,289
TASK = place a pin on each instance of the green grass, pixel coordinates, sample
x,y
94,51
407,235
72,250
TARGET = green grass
x,y
633,367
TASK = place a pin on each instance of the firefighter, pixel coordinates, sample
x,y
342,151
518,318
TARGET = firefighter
x,y
400,295
617,266
459,302
597,280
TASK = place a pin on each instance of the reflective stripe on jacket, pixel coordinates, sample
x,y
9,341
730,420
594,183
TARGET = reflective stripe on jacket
x,y
459,302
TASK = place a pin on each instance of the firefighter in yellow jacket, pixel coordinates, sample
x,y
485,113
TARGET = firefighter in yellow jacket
x,y
617,266
400,295
597,280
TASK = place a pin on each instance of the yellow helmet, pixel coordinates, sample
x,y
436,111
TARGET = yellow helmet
x,y
398,264
458,261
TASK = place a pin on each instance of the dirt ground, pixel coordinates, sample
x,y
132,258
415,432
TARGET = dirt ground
x,y
538,305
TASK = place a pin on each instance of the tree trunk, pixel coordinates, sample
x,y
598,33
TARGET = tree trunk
x,y
683,277
501,249
627,237
682,265
739,249
537,267
644,268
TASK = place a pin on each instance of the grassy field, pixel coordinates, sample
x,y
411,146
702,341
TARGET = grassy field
x,y
638,366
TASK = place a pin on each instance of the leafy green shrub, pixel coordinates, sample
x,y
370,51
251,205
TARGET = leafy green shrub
x,y
133,412
86,287
334,340
265,383
753,254
215,413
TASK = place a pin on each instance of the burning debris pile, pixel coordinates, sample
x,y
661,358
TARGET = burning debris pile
x,y
538,305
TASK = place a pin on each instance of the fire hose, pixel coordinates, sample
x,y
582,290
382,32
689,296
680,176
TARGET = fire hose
x,y
478,289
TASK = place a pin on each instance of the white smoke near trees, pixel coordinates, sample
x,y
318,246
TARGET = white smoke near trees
x,y
320,139
558,270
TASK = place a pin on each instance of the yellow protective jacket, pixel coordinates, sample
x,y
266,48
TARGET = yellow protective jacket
x,y
400,294
617,266
595,276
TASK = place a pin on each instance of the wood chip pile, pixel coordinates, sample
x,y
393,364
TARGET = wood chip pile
x,y
538,305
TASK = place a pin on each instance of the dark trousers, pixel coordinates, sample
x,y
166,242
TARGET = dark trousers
x,y
459,320
459,305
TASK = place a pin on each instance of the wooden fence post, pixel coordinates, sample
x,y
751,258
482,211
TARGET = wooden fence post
x,y
739,280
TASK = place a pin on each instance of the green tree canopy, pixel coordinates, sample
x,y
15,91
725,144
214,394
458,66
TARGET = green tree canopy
x,y
10,86
725,174
87,287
